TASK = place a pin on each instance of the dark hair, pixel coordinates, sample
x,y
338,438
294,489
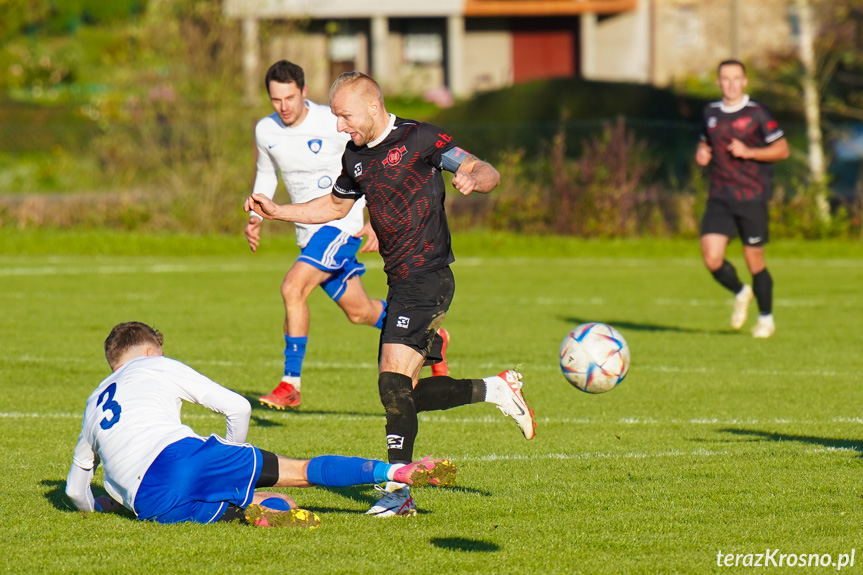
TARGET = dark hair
x,y
127,335
285,72
731,63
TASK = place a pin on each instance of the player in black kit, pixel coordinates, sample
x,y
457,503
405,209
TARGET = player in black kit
x,y
740,140
396,165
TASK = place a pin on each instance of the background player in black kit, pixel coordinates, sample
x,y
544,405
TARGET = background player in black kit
x,y
396,164
740,141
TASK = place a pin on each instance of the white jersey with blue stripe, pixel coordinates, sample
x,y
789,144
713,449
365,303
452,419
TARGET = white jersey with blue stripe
x,y
135,413
309,157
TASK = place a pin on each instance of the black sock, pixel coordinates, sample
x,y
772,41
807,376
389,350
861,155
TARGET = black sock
x,y
762,285
444,392
397,396
727,276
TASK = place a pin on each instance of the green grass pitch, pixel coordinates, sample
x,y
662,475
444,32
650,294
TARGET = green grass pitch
x,y
715,442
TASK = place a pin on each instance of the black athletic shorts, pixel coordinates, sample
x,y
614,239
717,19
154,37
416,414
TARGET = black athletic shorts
x,y
748,220
416,308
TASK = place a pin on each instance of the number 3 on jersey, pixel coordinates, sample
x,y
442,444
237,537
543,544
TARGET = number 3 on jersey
x,y
110,405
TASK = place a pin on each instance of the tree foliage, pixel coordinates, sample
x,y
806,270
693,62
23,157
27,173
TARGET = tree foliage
x,y
839,59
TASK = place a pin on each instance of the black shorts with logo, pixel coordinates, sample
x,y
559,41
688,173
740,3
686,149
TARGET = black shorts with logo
x,y
748,220
416,308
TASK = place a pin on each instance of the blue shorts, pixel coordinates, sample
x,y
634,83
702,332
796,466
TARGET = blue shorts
x,y
195,479
334,251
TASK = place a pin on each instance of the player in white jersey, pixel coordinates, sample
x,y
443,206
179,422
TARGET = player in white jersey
x,y
162,470
300,140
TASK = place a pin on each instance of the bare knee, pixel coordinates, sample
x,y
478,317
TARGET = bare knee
x,y
359,317
713,250
292,293
361,312
713,261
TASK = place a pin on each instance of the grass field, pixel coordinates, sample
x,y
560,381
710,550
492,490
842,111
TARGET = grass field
x,y
714,443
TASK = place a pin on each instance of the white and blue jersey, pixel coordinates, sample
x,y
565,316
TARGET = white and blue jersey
x,y
134,416
309,157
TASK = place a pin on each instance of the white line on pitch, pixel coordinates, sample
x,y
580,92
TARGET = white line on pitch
x,y
630,455
480,368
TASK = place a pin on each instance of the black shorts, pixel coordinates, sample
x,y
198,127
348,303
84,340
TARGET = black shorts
x,y
416,308
748,220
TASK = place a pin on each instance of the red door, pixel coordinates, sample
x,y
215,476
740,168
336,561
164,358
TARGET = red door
x,y
542,49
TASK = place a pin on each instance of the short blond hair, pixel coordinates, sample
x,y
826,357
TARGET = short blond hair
x,y
362,85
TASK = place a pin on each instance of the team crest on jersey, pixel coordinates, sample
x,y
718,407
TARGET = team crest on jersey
x,y
325,182
394,156
711,122
315,145
358,169
742,123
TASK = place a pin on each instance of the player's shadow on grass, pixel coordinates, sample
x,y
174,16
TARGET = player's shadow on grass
x,y
854,445
367,496
56,495
259,410
630,326
464,544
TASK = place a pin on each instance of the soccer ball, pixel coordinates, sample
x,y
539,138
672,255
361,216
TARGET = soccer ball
x,y
594,357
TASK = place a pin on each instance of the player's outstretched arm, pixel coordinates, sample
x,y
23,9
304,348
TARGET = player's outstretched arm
x,y
78,488
318,211
474,175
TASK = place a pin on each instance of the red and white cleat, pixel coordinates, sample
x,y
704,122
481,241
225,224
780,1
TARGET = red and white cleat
x,y
286,395
512,402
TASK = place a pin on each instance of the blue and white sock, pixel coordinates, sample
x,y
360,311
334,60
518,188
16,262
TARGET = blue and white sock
x,y
295,352
341,471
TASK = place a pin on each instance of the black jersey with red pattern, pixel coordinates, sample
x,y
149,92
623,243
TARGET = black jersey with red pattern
x,y
401,180
736,179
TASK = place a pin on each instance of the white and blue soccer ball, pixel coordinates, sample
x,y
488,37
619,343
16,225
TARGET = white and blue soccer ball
x,y
594,357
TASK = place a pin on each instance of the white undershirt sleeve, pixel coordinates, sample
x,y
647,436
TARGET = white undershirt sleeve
x,y
204,391
266,175
236,409
78,488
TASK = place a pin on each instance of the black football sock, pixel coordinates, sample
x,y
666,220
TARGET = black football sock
x,y
444,392
762,286
397,396
727,276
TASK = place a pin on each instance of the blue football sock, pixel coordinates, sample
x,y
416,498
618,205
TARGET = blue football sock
x,y
341,471
380,322
276,503
295,351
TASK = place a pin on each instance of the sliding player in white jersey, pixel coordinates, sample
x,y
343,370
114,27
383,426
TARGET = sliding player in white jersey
x,y
163,471
300,140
